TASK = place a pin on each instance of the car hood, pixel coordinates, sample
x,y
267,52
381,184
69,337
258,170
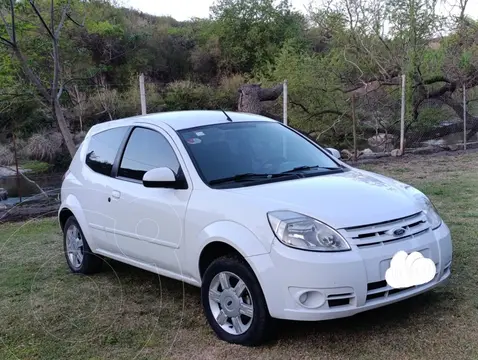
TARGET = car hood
x,y
348,199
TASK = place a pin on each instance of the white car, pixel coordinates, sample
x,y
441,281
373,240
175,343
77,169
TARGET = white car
x,y
267,223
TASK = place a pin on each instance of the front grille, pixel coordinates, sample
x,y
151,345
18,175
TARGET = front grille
x,y
335,300
379,234
380,289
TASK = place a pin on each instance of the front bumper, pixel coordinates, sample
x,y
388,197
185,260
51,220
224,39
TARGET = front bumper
x,y
343,284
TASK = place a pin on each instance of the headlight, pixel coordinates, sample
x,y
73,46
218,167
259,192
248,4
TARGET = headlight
x,y
302,232
428,208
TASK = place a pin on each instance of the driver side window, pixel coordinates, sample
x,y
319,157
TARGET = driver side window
x,y
146,150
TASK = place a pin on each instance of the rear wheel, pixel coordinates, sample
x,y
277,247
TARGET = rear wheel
x,y
233,302
78,254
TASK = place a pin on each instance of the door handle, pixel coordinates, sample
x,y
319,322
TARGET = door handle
x,y
116,194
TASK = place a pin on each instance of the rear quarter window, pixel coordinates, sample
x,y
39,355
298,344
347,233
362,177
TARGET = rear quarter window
x,y
102,150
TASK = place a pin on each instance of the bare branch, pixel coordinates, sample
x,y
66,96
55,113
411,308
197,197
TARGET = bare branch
x,y
60,91
320,113
76,22
384,72
56,52
356,66
37,12
52,15
64,14
31,75
27,179
66,83
334,124
463,4
6,42
13,34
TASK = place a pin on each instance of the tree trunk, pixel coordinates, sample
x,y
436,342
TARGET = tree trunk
x,y
70,144
252,96
438,132
471,121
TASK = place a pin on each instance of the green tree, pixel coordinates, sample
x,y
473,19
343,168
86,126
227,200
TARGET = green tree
x,y
52,26
251,32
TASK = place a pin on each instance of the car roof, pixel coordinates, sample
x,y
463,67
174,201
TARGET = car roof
x,y
180,120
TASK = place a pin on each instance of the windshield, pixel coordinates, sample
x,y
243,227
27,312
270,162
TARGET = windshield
x,y
249,151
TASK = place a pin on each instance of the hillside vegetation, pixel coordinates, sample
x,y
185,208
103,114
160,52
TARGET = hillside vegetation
x,y
66,65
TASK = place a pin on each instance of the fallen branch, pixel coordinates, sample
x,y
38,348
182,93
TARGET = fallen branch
x,y
319,113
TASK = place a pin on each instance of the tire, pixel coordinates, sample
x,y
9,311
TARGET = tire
x,y
90,263
222,304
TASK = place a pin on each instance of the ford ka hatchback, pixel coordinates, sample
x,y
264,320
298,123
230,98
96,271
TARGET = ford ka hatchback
x,y
267,223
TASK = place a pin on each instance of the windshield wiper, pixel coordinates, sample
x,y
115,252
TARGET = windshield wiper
x,y
305,168
247,177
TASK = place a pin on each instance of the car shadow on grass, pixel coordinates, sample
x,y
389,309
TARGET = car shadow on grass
x,y
406,315
397,314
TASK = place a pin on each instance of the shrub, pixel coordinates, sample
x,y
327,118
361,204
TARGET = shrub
x,y
6,156
106,101
43,146
79,137
36,166
227,94
187,95
130,100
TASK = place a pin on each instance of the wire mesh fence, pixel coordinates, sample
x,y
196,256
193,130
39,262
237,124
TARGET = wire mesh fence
x,y
447,124
383,121
364,123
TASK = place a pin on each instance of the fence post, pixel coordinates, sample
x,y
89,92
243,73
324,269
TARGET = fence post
x,y
402,118
142,94
354,127
16,167
464,116
285,102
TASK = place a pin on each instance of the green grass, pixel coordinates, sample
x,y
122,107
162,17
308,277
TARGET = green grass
x,y
125,313
37,167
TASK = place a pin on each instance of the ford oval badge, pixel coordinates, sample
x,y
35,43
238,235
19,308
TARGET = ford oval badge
x,y
398,232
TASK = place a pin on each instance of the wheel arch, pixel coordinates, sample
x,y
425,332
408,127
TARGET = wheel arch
x,y
72,207
213,251
63,216
224,238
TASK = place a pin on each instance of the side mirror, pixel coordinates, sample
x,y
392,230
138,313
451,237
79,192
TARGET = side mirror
x,y
162,178
334,152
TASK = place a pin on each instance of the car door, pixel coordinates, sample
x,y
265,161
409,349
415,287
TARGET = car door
x,y
95,179
149,221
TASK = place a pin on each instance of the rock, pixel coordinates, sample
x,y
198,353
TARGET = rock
x,y
346,154
382,142
6,171
395,152
453,147
433,142
3,194
10,171
367,152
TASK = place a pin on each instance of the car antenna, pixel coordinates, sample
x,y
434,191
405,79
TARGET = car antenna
x,y
227,116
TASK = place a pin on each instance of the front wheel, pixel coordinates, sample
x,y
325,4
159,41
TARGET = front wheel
x,y
233,302
79,256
